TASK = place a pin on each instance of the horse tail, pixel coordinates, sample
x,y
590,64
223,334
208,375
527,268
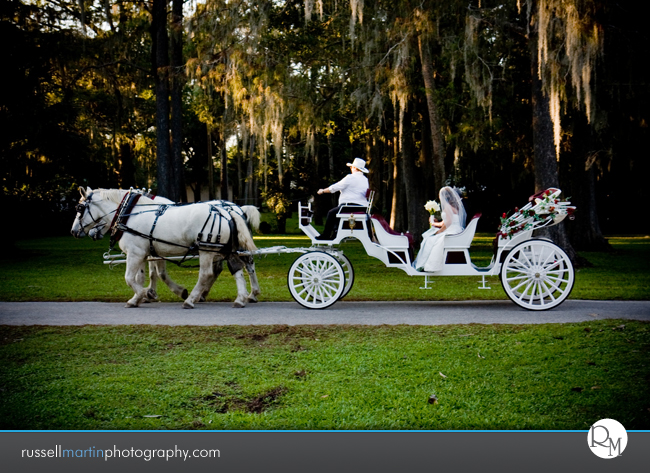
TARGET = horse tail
x,y
252,215
243,233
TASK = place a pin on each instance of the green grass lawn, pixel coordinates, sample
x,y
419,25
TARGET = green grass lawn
x,y
335,377
65,269
326,377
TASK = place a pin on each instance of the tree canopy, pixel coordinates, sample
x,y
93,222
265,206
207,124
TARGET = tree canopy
x,y
265,101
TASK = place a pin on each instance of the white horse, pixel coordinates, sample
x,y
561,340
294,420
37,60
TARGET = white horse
x,y
149,229
157,268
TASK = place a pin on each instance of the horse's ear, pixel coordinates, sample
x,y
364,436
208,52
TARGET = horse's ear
x,y
82,191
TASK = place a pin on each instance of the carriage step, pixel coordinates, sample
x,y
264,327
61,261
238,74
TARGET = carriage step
x,y
483,283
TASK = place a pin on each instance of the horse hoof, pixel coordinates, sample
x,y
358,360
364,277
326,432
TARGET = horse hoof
x,y
238,305
187,305
252,300
152,296
185,294
130,306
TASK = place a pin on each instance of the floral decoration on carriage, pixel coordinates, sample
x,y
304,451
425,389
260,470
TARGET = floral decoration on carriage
x,y
544,209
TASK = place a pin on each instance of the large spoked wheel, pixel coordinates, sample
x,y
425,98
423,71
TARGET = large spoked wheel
x,y
316,280
537,275
348,270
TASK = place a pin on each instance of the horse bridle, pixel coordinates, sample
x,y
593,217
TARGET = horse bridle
x,y
81,209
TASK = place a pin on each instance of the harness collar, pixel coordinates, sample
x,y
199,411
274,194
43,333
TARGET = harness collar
x,y
122,215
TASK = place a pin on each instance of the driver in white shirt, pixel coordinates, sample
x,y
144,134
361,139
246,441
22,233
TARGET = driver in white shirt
x,y
353,189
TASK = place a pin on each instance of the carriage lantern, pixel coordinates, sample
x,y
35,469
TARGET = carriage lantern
x,y
352,222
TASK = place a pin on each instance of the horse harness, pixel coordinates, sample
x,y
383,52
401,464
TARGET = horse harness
x,y
216,215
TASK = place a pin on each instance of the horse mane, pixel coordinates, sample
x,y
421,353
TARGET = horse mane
x,y
116,196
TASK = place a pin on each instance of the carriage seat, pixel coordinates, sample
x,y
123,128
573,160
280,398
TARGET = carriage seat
x,y
357,209
347,209
388,237
463,240
540,195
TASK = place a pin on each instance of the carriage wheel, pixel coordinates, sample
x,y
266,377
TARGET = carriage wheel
x,y
348,270
316,280
537,275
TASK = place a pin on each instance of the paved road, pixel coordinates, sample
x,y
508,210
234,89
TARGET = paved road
x,y
290,313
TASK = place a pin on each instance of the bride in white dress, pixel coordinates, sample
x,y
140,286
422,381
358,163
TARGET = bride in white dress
x,y
430,257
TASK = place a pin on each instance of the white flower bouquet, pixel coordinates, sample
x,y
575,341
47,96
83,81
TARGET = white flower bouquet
x,y
433,208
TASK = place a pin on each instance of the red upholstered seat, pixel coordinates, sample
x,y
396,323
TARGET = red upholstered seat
x,y
541,194
382,221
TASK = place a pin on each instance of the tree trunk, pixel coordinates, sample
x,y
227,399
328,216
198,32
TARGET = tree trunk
x,y
240,177
249,197
223,155
127,166
585,230
437,140
177,76
316,202
545,161
278,156
397,201
373,163
425,161
330,161
330,157
161,77
282,224
211,193
414,201
224,167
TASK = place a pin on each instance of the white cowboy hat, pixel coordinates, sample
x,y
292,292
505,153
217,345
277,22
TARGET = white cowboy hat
x,y
358,163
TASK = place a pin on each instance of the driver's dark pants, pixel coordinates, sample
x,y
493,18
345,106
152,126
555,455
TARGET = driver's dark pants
x,y
330,223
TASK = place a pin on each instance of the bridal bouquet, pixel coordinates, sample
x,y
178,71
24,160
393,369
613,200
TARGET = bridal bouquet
x,y
433,208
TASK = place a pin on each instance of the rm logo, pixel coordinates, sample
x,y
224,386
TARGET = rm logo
x,y
607,438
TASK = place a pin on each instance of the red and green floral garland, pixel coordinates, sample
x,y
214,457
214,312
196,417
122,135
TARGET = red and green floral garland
x,y
547,205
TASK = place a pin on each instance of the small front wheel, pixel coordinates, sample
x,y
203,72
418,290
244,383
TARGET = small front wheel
x,y
537,275
316,280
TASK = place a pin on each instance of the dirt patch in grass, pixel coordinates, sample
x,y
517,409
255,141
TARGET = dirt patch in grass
x,y
224,403
255,337
281,333
264,401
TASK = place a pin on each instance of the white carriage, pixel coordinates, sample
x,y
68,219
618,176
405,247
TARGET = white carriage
x,y
535,273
